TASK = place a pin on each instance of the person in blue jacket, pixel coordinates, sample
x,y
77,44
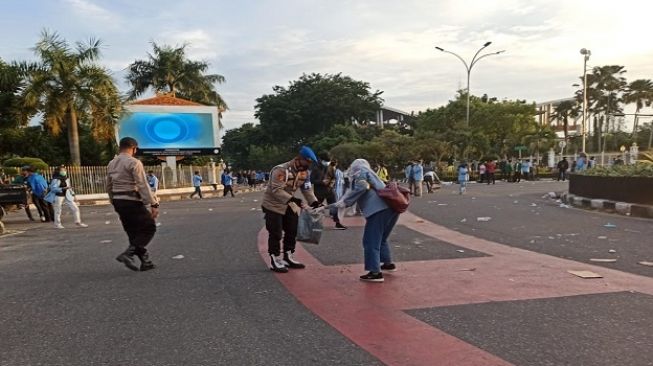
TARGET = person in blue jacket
x,y
227,182
38,186
197,183
380,219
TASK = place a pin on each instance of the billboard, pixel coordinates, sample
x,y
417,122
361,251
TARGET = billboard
x,y
172,130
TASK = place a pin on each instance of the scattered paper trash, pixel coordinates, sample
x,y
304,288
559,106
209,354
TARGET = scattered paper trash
x,y
178,256
553,194
463,220
562,205
585,274
165,212
610,225
210,209
443,204
603,260
467,270
460,251
473,198
483,218
255,201
107,222
533,204
602,237
158,224
612,251
419,221
646,263
551,238
105,241
532,241
253,209
515,201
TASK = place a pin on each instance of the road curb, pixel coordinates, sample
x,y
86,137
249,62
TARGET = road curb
x,y
621,208
178,194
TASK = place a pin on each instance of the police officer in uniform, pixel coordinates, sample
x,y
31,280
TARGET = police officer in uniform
x,y
131,195
282,208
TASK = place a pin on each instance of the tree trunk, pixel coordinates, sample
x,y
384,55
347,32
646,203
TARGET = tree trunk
x,y
635,120
73,136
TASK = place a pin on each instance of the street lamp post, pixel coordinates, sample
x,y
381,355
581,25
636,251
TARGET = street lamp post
x,y
586,53
468,68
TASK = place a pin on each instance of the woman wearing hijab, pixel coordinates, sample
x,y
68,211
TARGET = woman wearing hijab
x,y
63,194
380,219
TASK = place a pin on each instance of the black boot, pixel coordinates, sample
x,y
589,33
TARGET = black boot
x,y
146,263
292,262
127,258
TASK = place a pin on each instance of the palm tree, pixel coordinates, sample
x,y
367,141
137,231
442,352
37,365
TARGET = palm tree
x,y
639,92
168,70
605,86
563,111
67,86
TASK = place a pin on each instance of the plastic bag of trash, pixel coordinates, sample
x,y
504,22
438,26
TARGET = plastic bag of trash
x,y
309,228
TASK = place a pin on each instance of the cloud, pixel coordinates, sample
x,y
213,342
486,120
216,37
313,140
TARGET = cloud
x,y
88,10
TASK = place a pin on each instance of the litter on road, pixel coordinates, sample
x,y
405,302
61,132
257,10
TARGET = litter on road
x,y
107,222
178,256
460,251
610,225
602,237
463,220
210,209
646,263
105,241
603,260
612,251
585,274
158,224
484,218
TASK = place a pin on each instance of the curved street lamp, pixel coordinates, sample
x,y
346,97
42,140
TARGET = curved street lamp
x,y
468,67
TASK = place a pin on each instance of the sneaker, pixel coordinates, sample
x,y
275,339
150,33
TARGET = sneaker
x,y
278,264
58,226
43,219
340,226
290,261
128,261
147,266
389,267
372,277
81,224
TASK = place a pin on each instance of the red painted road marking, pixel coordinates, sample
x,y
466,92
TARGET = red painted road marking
x,y
372,315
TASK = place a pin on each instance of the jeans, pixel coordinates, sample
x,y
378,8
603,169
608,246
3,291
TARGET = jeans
x,y
198,190
58,204
375,239
562,175
137,222
44,208
281,225
228,189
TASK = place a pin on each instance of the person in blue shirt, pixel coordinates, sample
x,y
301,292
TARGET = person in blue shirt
x,y
380,219
38,186
227,182
197,183
463,177
152,181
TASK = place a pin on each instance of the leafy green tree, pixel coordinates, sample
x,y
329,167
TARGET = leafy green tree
x,y
312,105
67,85
168,70
12,81
237,144
640,93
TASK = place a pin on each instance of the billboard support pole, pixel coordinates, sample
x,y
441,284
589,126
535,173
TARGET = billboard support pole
x,y
171,161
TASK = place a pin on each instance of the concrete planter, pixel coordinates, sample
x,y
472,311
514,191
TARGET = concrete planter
x,y
638,190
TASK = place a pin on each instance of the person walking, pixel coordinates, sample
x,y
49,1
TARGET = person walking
x,y
491,168
518,164
482,171
463,177
152,181
418,177
380,219
563,165
281,207
197,183
526,169
227,182
130,195
382,172
409,172
38,187
323,179
62,193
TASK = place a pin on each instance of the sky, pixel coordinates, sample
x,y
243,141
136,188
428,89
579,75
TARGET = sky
x,y
390,44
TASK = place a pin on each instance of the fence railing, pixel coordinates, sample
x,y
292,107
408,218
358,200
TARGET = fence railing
x,y
93,179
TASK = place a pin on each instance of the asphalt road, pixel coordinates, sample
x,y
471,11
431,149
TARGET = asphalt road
x,y
64,300
521,217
